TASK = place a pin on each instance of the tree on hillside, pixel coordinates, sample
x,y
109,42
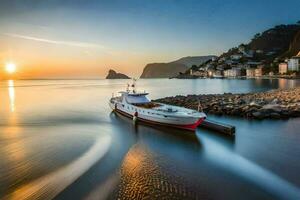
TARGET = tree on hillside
x,y
194,67
257,35
298,22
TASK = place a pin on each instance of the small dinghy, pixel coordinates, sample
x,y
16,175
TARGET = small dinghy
x,y
137,106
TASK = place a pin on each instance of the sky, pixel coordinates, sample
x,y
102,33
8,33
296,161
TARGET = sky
x,y
86,38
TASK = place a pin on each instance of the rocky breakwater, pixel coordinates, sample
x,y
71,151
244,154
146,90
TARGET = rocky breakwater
x,y
274,104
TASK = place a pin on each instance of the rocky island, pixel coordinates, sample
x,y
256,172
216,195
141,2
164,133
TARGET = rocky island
x,y
274,104
112,74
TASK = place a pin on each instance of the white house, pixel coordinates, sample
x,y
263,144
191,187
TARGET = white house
x,y
236,56
232,72
293,63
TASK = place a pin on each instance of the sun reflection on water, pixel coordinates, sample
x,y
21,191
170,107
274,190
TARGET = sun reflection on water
x,y
11,94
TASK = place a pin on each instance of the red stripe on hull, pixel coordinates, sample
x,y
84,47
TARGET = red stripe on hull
x,y
191,127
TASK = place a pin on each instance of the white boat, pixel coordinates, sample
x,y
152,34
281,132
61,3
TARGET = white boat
x,y
137,106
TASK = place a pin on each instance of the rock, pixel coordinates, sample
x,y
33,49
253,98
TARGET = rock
x,y
253,103
275,104
258,115
272,108
114,75
275,116
275,101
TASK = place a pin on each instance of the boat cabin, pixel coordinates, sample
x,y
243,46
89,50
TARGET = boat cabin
x,y
138,99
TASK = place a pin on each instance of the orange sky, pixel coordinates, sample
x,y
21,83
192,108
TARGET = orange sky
x,y
36,59
43,58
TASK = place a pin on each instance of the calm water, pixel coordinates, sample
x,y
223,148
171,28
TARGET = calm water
x,y
59,139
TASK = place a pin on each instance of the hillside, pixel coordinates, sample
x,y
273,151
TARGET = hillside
x,y
281,40
163,70
193,60
294,47
171,69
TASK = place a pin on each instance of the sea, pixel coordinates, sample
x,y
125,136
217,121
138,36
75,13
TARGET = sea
x,y
60,140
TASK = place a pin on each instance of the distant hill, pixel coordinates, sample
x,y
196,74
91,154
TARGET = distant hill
x,y
193,60
171,69
282,40
112,74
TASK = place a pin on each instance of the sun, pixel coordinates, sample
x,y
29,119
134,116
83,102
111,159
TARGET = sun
x,y
10,68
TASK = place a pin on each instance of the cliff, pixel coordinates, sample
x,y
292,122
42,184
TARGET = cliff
x,y
294,47
114,75
171,69
162,70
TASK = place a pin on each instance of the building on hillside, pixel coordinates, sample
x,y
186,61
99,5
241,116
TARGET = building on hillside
x,y
293,63
250,72
222,59
258,72
217,74
248,54
234,72
283,68
236,56
220,67
199,73
208,66
253,63
210,72
243,66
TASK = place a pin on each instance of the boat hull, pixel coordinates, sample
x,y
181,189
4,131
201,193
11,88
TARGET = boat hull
x,y
187,123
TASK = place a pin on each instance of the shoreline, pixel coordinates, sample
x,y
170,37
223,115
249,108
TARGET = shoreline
x,y
273,104
242,77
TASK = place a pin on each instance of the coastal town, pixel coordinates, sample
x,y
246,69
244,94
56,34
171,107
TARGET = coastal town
x,y
272,53
235,66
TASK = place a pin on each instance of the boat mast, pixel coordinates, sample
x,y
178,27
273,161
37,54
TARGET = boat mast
x,y
133,85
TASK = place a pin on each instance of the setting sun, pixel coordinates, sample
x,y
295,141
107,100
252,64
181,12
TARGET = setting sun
x,y
10,68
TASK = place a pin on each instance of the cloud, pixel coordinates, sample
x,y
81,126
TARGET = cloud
x,y
59,42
